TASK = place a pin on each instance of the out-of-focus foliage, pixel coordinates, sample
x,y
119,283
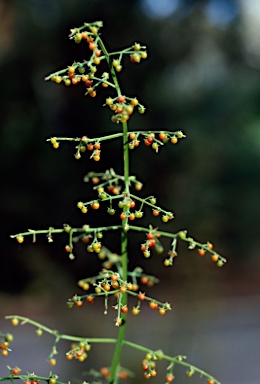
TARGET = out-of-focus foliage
x,y
202,76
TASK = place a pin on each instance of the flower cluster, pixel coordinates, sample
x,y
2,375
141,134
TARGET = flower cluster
x,y
85,72
123,108
109,284
150,139
79,351
5,340
108,186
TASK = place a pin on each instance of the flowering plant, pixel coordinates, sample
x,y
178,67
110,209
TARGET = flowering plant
x,y
115,282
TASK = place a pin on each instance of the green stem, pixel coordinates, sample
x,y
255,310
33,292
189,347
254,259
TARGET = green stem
x,y
126,157
124,236
124,272
177,359
89,140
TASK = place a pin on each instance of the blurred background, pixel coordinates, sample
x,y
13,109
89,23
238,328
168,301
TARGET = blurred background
x,y
202,77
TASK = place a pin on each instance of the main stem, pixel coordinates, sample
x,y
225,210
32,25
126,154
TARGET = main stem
x,y
124,242
113,379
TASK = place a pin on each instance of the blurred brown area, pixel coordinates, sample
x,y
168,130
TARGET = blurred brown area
x,y
202,77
